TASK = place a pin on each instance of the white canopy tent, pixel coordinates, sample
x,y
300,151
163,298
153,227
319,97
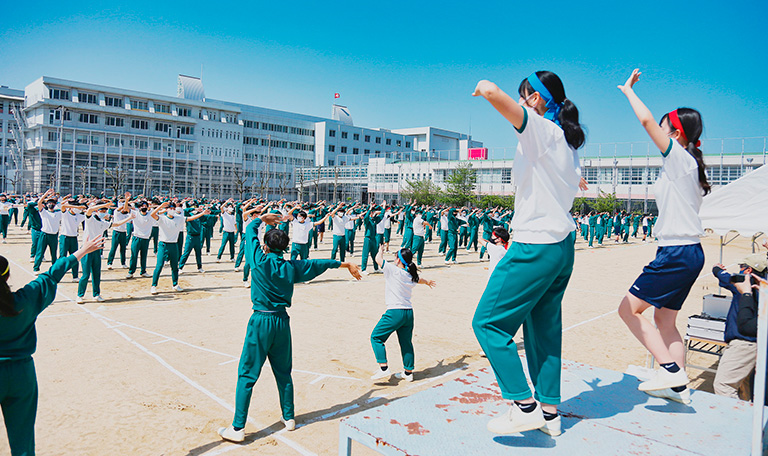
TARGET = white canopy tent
x,y
742,207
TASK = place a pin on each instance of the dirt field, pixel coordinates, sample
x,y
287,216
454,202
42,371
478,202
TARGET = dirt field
x,y
155,375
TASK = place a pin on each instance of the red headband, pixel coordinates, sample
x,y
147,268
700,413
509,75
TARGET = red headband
x,y
679,127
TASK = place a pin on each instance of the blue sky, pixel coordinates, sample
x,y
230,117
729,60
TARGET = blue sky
x,y
403,64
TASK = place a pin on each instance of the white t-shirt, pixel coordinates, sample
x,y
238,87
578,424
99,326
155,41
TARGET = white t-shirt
x,y
418,226
398,287
339,223
142,224
380,229
443,222
679,197
547,175
350,225
301,230
119,217
94,227
170,227
70,223
387,221
229,222
51,221
5,208
495,254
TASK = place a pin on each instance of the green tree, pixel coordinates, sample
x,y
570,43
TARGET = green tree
x,y
580,204
605,202
460,185
421,192
489,201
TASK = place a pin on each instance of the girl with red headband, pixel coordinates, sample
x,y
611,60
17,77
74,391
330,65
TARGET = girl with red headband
x,y
666,281
527,286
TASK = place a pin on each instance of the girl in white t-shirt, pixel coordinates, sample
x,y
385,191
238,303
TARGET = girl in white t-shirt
x,y
666,281
527,287
497,247
400,276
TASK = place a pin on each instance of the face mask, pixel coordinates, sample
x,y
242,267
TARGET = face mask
x,y
51,207
300,219
341,214
143,210
230,211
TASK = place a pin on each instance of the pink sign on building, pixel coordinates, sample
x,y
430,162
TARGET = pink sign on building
x,y
478,153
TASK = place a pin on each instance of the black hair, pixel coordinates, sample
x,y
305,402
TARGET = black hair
x,y
569,114
276,240
501,233
7,301
407,256
690,119
302,214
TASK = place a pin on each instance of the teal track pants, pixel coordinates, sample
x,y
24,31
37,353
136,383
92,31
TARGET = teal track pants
x,y
167,251
195,243
350,235
45,241
526,289
417,247
119,241
268,337
227,238
370,249
33,248
407,238
240,252
91,264
139,250
394,320
300,250
453,246
340,245
5,220
18,400
68,246
443,241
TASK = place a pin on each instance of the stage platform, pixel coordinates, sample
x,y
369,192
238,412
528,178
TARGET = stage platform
x,y
603,413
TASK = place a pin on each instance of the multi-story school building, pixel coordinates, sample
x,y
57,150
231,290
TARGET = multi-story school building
x,y
85,138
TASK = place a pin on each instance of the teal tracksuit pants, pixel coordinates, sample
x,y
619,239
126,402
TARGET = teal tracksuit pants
x,y
300,250
33,249
340,245
472,239
155,236
139,250
227,238
268,337
417,247
370,248
119,241
453,246
240,252
194,242
350,235
401,322
91,264
5,220
45,241
18,399
526,289
407,238
443,241
167,251
68,246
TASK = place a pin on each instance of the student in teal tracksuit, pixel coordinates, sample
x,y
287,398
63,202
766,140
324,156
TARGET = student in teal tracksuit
x,y
407,227
370,246
18,340
474,224
194,238
527,286
269,334
453,235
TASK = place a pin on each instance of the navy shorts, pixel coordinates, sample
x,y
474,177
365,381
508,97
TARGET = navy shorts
x,y
321,228
667,280
645,230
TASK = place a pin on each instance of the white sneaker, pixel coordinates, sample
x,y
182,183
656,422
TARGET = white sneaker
x,y
683,397
404,376
181,272
177,288
552,427
201,271
664,379
237,269
32,259
381,374
129,276
290,425
123,266
365,273
145,275
153,290
109,266
218,260
515,420
80,300
447,262
75,279
229,433
36,273
98,298
247,283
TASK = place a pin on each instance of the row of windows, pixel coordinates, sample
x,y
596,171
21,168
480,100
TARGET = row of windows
x,y
250,140
117,102
367,138
216,133
112,121
278,128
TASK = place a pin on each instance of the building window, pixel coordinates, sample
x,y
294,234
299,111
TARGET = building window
x,y
115,121
332,133
356,137
343,135
162,127
59,94
157,146
367,151
115,102
187,130
66,137
408,144
343,149
89,118
82,139
162,108
389,142
140,105
55,115
114,142
378,140
53,136
185,112
355,151
331,148
399,143
140,124
91,98
367,138
250,124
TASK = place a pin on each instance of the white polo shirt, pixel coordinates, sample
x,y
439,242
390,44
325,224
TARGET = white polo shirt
x,y
119,217
380,229
350,224
398,287
228,220
5,208
418,226
495,254
142,224
51,221
94,227
443,222
387,221
547,174
300,230
678,196
170,227
70,223
339,223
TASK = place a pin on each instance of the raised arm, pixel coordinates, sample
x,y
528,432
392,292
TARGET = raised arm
x,y
503,103
643,113
198,215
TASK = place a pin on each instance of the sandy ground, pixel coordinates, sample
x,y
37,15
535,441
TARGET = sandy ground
x,y
155,375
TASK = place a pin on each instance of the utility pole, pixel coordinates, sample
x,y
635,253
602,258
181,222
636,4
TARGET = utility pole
x,y
58,148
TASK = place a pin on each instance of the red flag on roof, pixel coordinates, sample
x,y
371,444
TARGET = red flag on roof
x,y
336,95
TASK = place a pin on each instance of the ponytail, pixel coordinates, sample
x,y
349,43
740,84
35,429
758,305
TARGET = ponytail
x,y
567,115
690,125
7,308
406,257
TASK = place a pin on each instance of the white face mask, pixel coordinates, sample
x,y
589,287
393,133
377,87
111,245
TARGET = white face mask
x,y
300,219
230,211
341,214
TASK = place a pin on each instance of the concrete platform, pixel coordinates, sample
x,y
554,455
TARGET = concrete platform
x,y
602,413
